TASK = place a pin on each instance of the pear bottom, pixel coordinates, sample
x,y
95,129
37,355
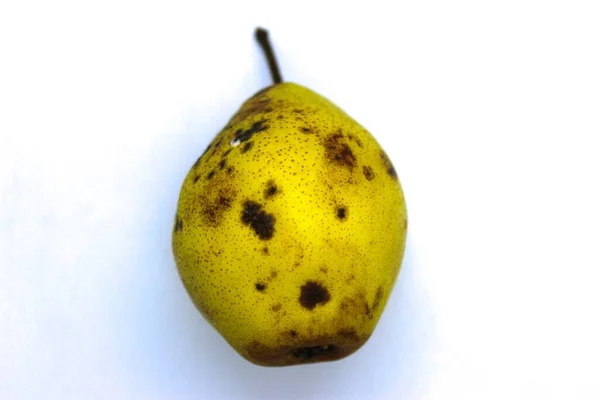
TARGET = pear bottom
x,y
324,348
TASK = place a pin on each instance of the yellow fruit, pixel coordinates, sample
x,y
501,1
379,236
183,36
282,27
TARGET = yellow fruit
x,y
290,229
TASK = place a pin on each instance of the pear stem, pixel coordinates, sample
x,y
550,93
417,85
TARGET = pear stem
x,y
262,37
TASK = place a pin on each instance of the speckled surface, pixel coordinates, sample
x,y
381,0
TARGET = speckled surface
x,y
292,220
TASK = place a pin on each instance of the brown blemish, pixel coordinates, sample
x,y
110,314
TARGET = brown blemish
x,y
298,111
243,135
229,170
323,270
265,250
356,306
276,307
368,172
273,274
261,222
200,158
224,201
306,130
346,304
338,151
301,350
213,209
260,286
210,175
342,213
226,153
348,334
387,163
222,164
261,92
356,140
271,190
196,178
178,224
313,294
247,146
307,353
378,296
255,105
217,145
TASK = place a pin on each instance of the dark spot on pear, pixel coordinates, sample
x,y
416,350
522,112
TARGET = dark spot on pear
x,y
307,353
378,297
387,163
293,333
271,190
356,140
216,147
376,301
262,223
348,334
227,153
222,164
338,152
247,146
214,208
178,224
306,130
196,178
341,213
210,175
313,294
276,307
257,104
200,158
243,135
260,287
224,202
368,173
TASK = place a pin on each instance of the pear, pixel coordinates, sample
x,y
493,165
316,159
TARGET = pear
x,y
290,228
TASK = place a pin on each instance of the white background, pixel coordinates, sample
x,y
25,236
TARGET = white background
x,y
490,111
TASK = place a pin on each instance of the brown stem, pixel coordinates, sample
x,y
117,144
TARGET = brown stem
x,y
262,36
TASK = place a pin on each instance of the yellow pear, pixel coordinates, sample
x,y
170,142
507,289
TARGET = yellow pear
x,y
290,228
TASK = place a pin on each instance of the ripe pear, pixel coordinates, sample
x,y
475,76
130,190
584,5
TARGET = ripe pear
x,y
290,228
